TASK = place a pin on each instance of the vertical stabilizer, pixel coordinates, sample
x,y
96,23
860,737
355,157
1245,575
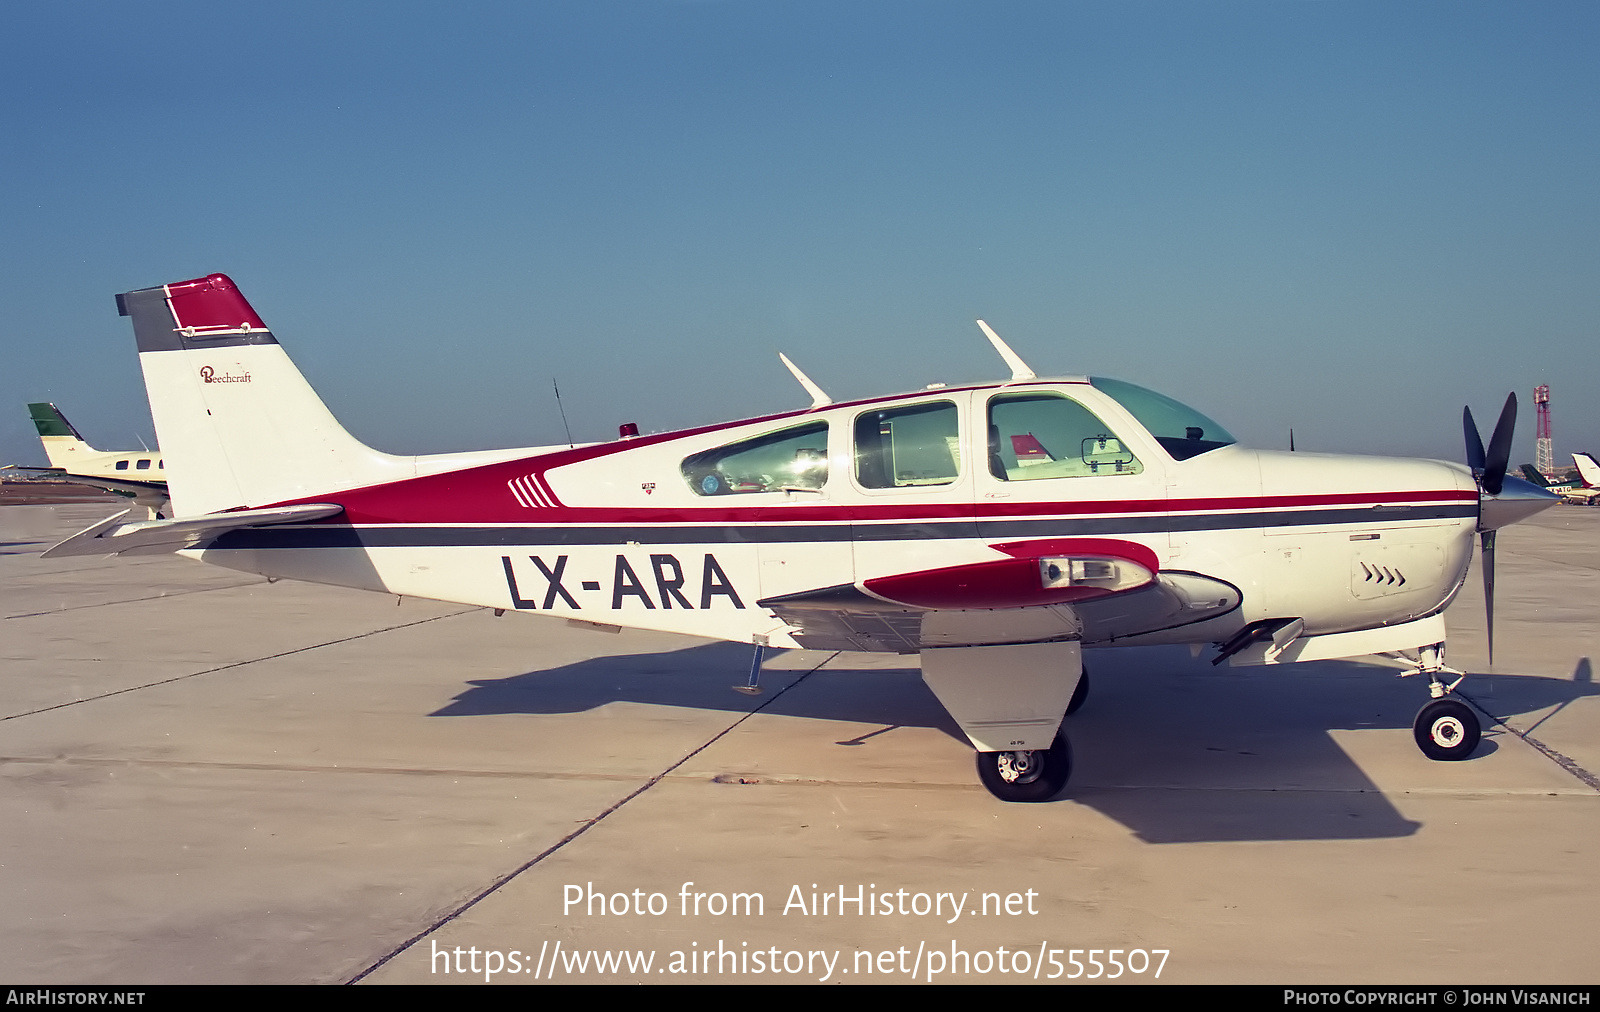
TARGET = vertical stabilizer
x,y
238,424
1532,474
63,447
1588,469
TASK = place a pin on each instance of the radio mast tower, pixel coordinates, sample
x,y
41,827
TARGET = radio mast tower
x,y
1545,452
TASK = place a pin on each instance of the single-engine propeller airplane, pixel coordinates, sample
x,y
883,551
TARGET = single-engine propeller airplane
x,y
996,529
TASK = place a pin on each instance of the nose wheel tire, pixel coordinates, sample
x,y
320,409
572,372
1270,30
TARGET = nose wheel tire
x,y
1026,776
1446,730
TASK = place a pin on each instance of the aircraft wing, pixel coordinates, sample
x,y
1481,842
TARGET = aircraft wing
x,y
847,617
133,489
156,537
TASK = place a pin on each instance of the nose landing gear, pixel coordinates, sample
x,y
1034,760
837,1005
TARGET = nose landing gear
x,y
1446,729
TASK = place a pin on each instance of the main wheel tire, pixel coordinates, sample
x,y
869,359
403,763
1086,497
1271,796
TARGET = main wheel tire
x,y
1446,730
1027,776
1079,694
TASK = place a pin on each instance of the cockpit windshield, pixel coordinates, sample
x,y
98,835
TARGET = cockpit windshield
x,y
1181,430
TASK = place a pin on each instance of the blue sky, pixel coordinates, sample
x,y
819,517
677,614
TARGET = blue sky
x,y
1346,217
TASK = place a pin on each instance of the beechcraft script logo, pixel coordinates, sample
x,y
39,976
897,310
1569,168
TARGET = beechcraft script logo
x,y
210,375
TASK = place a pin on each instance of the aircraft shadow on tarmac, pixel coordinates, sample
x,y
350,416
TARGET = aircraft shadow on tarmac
x,y
1171,747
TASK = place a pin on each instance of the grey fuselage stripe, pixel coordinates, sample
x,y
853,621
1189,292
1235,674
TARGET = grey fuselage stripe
x,y
335,536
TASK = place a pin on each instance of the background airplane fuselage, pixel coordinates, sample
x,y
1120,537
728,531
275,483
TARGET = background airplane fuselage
x,y
68,451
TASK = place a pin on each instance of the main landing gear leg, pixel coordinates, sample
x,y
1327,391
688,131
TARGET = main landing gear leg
x,y
1446,729
1010,701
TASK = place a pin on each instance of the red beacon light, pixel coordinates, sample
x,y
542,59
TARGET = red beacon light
x,y
627,430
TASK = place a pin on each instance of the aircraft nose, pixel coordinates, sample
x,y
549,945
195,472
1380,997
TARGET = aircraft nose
x,y
1518,500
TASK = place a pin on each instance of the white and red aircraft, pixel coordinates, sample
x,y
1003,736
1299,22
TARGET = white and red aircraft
x,y
996,529
1588,494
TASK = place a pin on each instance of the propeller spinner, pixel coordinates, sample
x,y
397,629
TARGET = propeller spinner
x,y
1502,499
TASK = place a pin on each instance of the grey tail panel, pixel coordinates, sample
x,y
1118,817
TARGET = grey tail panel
x,y
155,325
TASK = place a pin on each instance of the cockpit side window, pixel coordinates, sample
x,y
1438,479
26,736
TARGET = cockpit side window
x,y
1181,430
1039,435
792,459
910,446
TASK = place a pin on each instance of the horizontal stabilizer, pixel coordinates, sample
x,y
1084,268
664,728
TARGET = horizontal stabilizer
x,y
154,537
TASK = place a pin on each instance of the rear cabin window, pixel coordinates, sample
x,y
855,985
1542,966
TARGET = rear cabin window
x,y
122,465
791,459
1034,436
911,446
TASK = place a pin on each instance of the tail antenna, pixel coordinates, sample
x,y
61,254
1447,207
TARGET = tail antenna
x,y
1019,368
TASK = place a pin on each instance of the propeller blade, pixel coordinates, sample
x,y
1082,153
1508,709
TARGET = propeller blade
x,y
1487,539
1494,468
1474,442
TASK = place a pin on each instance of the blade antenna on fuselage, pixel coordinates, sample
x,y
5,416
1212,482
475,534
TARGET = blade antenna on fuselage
x,y
1019,368
819,399
555,386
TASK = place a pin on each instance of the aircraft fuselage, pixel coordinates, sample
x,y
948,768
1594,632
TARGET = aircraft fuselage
x,y
669,532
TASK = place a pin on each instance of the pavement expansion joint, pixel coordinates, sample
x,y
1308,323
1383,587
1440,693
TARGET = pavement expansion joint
x,y
239,664
1563,761
134,600
583,827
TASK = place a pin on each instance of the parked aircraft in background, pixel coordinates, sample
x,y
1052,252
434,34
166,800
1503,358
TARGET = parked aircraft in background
x,y
1589,472
140,476
1579,491
996,529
